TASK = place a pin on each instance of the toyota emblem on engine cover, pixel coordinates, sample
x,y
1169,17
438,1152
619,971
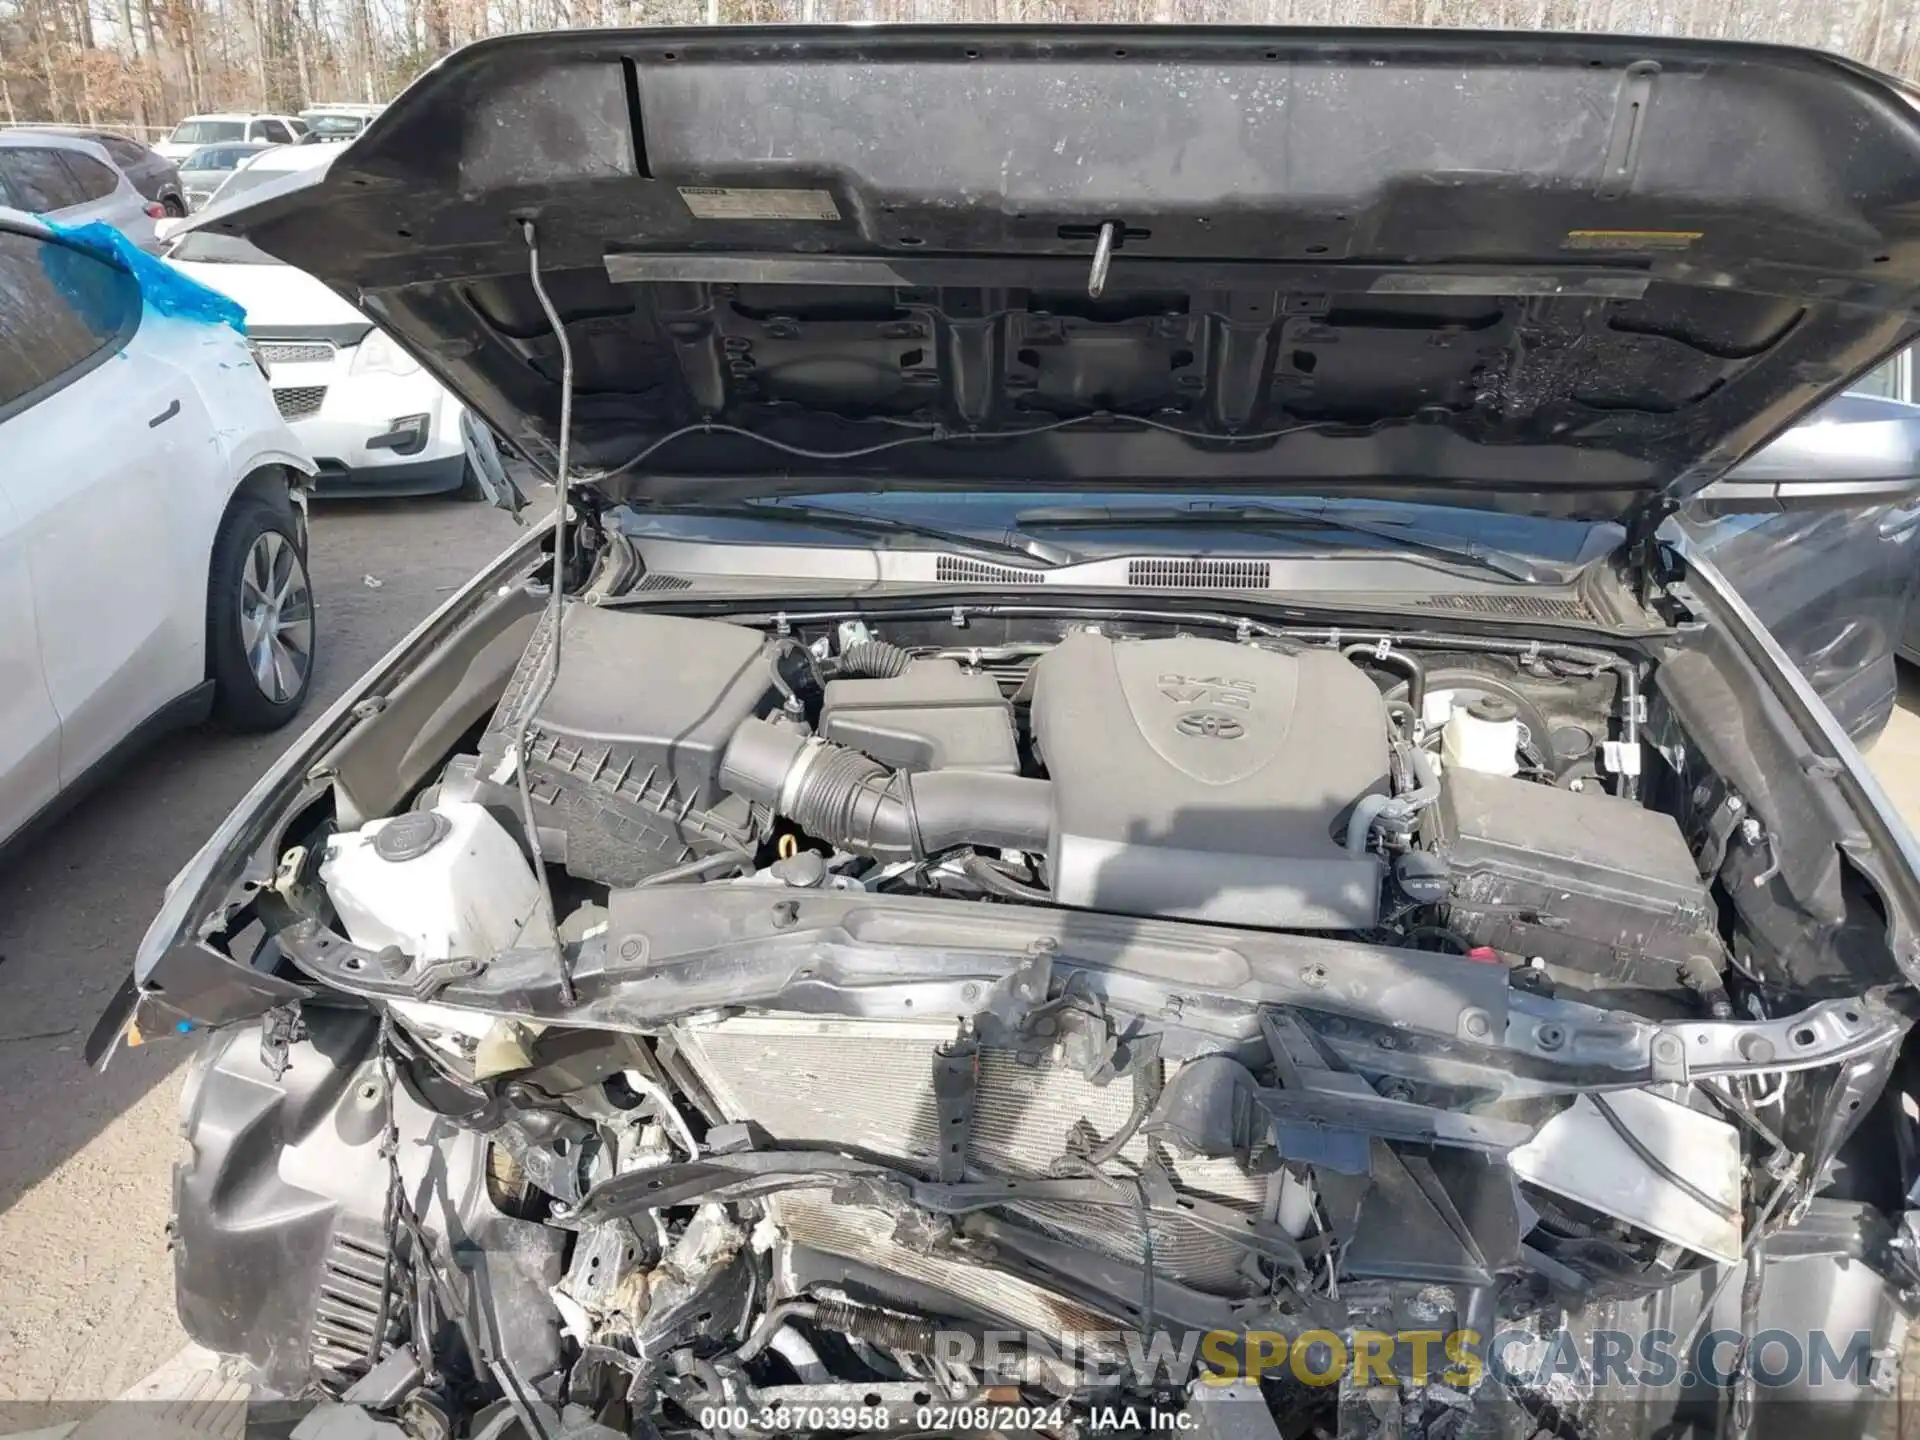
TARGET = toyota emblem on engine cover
x,y
1212,724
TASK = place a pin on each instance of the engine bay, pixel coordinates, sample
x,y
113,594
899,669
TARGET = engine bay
x,y
786,1005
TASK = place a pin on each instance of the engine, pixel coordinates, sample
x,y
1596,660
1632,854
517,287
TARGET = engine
x,y
1268,785
1153,1084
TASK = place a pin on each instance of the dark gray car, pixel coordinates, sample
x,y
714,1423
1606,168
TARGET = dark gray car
x,y
1836,587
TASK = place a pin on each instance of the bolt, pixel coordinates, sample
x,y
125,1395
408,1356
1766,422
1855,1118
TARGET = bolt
x,y
786,914
1756,1048
1750,830
632,948
969,991
1477,1024
1314,976
393,961
1666,1049
1387,1042
1735,804
1550,1037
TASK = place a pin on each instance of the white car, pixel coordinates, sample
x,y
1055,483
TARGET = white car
x,y
231,127
71,181
152,532
375,422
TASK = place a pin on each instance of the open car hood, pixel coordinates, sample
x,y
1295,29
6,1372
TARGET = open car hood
x,y
1554,274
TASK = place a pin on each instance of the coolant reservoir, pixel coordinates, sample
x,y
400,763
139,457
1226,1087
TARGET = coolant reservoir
x,y
1483,736
437,883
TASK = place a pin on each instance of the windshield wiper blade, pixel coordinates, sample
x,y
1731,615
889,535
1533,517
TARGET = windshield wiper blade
x,y
1281,518
1023,552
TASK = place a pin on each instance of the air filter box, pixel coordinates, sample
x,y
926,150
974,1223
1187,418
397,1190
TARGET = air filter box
x,y
934,716
623,757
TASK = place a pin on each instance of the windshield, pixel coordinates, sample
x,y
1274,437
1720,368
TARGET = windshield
x,y
333,126
217,157
208,248
1091,524
208,132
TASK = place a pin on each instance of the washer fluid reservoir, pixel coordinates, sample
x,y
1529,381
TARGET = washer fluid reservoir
x,y
437,883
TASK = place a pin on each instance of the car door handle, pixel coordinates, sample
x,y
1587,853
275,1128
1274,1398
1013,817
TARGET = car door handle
x,y
165,415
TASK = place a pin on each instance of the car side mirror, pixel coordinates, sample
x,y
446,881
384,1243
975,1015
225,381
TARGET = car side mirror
x,y
489,469
1854,451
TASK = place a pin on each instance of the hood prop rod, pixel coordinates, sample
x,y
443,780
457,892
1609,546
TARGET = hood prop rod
x,y
538,695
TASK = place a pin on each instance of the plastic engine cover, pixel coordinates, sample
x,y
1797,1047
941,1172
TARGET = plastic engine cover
x,y
1209,781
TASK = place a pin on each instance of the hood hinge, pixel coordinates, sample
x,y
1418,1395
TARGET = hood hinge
x,y
1652,566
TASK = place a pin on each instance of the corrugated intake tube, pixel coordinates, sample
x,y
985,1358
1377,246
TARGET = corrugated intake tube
x,y
873,660
853,801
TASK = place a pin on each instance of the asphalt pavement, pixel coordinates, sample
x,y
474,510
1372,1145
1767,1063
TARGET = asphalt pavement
x,y
86,1304
86,1299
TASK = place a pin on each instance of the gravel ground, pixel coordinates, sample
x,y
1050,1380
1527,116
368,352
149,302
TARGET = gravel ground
x,y
86,1300
86,1306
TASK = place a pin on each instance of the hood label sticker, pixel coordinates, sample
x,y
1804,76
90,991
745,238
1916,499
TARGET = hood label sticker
x,y
1630,239
713,202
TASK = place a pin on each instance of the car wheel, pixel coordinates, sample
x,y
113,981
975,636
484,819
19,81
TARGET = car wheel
x,y
175,207
260,618
469,484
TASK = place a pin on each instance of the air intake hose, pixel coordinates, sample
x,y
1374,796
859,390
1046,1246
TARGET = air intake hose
x,y
855,802
874,660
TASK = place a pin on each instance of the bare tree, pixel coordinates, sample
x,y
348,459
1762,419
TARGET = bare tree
x,y
145,62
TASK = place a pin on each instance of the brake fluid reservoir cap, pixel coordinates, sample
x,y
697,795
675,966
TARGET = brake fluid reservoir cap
x,y
409,836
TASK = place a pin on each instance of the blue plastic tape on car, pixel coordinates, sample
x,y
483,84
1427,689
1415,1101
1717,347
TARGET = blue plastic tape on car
x,y
164,288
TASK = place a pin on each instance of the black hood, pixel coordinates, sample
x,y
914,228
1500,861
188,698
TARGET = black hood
x,y
1552,274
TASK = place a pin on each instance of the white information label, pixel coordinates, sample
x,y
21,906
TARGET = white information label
x,y
711,202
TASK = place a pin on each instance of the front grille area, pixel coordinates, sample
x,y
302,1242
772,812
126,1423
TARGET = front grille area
x,y
1181,574
296,402
294,352
868,1086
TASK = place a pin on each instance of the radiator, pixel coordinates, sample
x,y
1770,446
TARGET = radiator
x,y
867,1085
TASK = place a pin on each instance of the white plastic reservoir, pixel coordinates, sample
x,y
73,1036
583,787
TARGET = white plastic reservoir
x,y
437,883
1483,736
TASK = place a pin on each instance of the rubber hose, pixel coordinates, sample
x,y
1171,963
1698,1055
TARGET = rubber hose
x,y
1406,664
874,660
995,881
848,799
878,1327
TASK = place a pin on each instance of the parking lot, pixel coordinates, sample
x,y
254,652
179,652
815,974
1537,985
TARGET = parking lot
x,y
86,1303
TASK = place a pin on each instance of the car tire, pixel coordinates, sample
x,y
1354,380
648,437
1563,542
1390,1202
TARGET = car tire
x,y
175,207
469,484
260,617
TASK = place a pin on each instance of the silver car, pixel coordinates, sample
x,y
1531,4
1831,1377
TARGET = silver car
x,y
207,169
71,181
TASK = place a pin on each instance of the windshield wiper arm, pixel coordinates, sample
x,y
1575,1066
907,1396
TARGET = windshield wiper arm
x,y
1024,551
1264,517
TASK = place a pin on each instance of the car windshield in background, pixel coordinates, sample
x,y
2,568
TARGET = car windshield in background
x,y
218,157
335,127
207,132
208,248
1089,525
